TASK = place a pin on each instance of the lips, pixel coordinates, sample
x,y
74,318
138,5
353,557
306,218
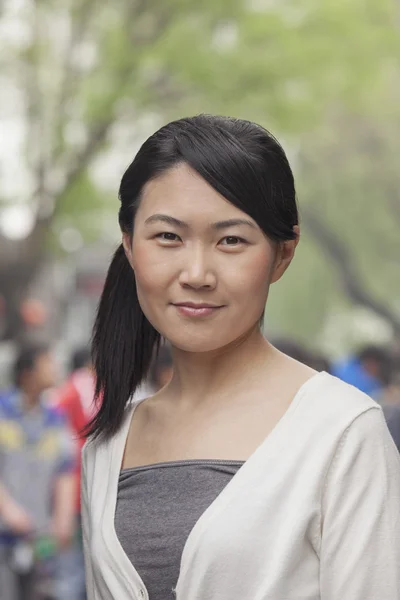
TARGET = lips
x,y
197,305
197,309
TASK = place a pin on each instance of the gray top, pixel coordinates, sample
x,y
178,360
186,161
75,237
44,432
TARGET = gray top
x,y
157,507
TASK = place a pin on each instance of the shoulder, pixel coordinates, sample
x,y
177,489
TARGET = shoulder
x,y
333,396
367,450
348,428
330,406
360,426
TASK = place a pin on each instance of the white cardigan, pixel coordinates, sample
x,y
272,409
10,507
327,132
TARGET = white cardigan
x,y
313,514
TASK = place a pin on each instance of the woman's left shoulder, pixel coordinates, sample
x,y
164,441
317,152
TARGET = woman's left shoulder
x,y
337,403
350,422
345,392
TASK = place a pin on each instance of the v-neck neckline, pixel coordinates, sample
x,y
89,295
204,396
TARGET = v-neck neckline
x,y
120,558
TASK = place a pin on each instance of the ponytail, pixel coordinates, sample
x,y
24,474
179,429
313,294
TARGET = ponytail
x,y
123,345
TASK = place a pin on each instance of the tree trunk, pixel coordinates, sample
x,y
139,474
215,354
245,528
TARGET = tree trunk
x,y
20,263
343,261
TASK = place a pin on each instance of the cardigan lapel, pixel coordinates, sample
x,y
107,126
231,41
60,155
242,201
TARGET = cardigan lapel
x,y
245,475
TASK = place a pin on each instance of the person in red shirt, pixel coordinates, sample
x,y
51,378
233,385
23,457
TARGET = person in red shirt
x,y
76,400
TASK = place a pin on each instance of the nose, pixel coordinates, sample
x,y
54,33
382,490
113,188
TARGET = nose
x,y
197,272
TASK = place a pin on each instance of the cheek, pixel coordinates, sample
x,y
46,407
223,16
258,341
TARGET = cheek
x,y
252,277
151,273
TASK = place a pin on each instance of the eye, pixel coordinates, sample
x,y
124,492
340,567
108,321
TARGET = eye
x,y
168,236
232,240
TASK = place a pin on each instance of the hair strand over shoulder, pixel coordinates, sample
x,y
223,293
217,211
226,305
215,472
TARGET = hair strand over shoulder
x,y
123,345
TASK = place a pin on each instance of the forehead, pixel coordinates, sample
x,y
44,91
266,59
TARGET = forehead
x,y
182,190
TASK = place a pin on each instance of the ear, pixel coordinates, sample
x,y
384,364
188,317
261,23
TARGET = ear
x,y
284,255
127,244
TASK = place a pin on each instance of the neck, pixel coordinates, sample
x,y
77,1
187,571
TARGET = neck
x,y
199,377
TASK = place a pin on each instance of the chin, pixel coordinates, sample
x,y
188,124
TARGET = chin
x,y
212,342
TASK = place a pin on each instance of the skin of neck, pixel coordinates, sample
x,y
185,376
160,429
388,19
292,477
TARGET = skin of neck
x,y
200,377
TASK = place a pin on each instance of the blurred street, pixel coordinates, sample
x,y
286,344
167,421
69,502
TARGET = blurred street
x,y
83,83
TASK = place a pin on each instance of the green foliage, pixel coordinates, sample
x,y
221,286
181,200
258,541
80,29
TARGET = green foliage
x,y
83,197
322,74
353,183
301,301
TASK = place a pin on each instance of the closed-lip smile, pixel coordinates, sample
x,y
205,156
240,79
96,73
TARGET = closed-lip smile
x,y
196,305
197,310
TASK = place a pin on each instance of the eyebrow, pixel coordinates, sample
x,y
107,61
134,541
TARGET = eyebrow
x,y
218,225
166,219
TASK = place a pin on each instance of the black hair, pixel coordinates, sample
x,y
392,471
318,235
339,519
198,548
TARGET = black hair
x,y
26,360
382,357
372,352
320,362
80,358
244,163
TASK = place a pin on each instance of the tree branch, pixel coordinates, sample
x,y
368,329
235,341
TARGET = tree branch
x,y
344,263
71,76
82,160
36,152
32,249
99,131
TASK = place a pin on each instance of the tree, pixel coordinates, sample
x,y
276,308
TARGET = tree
x,y
350,203
355,183
84,69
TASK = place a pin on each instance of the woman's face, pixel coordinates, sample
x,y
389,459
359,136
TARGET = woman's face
x,y
202,266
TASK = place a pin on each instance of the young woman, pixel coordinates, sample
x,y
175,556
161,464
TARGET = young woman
x,y
249,476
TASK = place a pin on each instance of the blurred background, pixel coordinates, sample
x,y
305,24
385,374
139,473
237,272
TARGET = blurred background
x,y
84,82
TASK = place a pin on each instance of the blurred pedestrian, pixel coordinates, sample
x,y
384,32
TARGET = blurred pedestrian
x,y
390,402
249,475
368,369
76,401
37,485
